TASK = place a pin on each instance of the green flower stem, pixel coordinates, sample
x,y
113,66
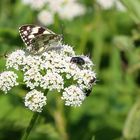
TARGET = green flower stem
x,y
32,122
30,126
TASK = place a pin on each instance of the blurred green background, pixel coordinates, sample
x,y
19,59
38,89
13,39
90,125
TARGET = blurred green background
x,y
111,37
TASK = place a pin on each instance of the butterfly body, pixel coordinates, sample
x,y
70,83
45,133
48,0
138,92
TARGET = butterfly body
x,y
39,39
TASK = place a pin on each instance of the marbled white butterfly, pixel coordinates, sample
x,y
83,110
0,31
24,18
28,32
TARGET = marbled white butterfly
x,y
38,39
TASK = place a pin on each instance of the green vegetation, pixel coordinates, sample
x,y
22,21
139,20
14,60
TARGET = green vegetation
x,y
112,39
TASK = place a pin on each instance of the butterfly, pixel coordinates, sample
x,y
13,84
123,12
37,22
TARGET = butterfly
x,y
38,39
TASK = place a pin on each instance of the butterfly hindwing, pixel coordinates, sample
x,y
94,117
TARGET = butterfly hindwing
x,y
37,39
44,42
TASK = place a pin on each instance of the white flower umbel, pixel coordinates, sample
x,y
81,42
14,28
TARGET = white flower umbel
x,y
73,96
65,9
51,70
52,81
16,59
35,100
8,80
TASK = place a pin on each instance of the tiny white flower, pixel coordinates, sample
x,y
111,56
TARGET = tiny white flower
x,y
72,69
52,81
32,62
55,61
35,100
32,78
8,80
88,63
67,50
85,78
73,96
52,60
45,17
16,59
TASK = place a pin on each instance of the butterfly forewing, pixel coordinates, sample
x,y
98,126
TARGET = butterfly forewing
x,y
36,38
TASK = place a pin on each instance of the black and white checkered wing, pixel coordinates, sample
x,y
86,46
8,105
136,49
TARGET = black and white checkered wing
x,y
36,38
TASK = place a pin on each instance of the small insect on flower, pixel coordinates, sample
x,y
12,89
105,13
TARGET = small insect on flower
x,y
39,39
77,60
91,82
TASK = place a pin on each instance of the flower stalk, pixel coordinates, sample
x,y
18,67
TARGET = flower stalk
x,y
32,122
30,126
